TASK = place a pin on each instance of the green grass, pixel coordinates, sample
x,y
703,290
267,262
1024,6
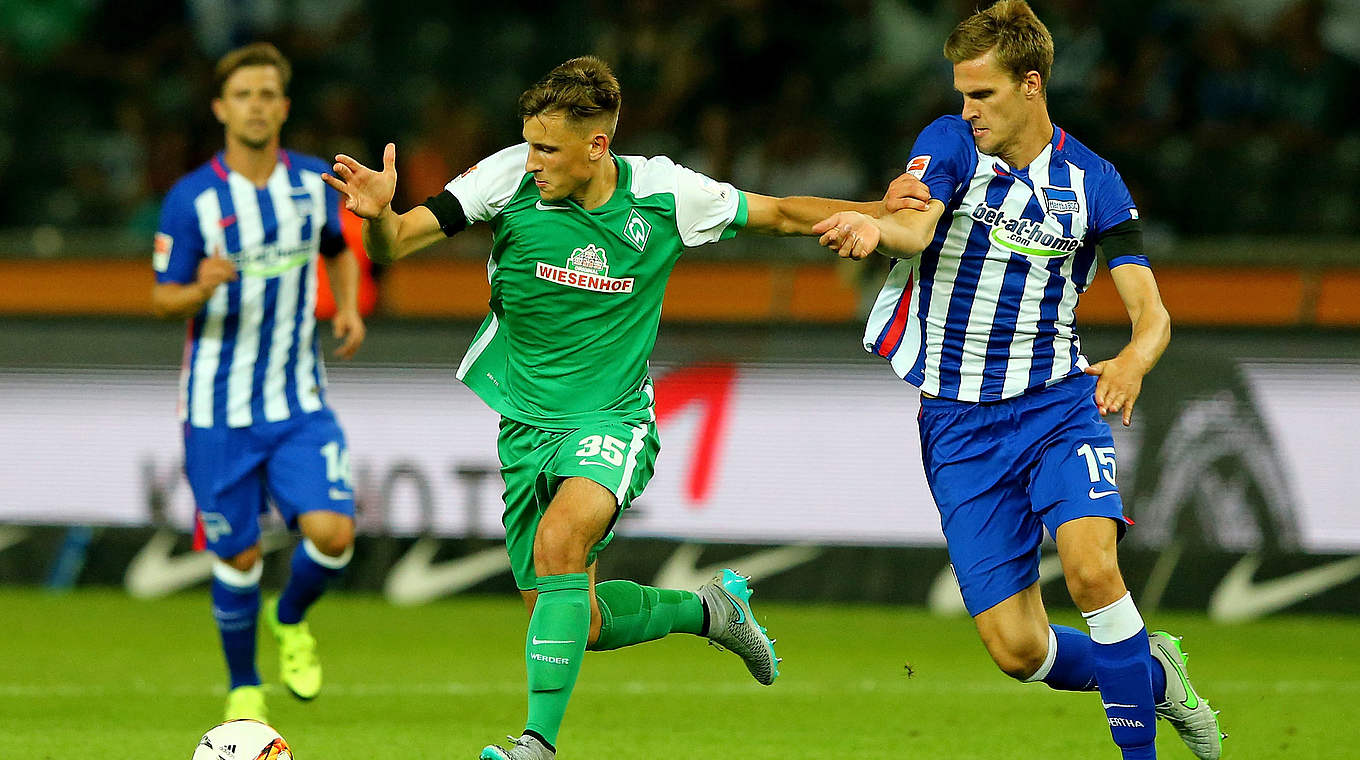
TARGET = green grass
x,y
94,674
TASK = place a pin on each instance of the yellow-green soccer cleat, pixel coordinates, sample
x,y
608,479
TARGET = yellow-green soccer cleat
x,y
299,668
246,702
732,625
1187,712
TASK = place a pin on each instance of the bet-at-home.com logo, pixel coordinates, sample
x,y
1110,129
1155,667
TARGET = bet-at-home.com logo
x,y
588,269
1029,237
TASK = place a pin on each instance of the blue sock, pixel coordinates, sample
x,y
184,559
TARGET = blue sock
x,y
1123,668
236,608
1158,681
1074,666
311,570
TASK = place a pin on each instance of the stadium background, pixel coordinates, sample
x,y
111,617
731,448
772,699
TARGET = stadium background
x,y
786,447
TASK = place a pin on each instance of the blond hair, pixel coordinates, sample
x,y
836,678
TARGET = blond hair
x,y
1021,41
254,54
583,89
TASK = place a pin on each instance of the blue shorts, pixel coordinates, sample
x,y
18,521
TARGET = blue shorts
x,y
1001,472
301,464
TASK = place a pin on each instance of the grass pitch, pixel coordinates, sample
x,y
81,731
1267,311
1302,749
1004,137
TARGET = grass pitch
x,y
94,674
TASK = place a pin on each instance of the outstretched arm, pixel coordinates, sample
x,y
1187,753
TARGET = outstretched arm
x,y
798,214
902,234
388,235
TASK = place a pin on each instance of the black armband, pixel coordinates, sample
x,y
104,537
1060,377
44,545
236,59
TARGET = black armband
x,y
1123,244
332,246
448,212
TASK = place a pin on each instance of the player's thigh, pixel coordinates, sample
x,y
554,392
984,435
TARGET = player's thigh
x,y
1076,472
618,455
224,470
973,471
525,452
308,468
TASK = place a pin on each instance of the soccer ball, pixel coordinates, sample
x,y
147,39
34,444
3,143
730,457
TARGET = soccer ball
x,y
242,739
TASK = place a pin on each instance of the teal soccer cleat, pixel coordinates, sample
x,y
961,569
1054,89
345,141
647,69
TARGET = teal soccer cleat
x,y
525,747
732,625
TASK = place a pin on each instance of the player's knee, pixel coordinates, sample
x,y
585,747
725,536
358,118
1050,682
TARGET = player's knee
x,y
1016,653
1094,584
556,550
1019,661
331,537
246,559
336,541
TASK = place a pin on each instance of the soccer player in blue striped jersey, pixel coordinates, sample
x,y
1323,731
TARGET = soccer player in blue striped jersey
x,y
978,313
236,254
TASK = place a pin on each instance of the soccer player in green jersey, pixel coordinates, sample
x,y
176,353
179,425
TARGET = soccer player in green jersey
x,y
583,243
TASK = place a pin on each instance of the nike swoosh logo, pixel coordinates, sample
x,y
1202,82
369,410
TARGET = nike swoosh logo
x,y
538,641
593,464
337,494
741,614
1094,494
1108,705
1239,597
541,206
416,578
157,570
680,569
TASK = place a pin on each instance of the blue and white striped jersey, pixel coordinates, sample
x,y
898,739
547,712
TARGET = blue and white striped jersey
x,y
251,355
985,312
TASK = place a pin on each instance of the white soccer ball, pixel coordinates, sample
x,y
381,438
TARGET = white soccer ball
x,y
242,739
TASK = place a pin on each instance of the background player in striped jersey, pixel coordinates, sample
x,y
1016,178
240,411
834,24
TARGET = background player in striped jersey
x,y
237,255
982,322
583,244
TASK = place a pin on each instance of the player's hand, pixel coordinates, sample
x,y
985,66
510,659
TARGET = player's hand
x,y
366,192
850,234
1120,381
907,192
215,270
348,326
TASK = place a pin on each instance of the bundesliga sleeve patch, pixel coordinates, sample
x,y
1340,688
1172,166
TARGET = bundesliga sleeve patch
x,y
917,166
160,252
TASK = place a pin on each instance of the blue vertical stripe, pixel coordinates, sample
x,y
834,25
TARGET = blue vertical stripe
x,y
974,255
1041,366
231,323
270,223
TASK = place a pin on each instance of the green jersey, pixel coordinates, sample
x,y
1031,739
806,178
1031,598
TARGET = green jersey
x,y
576,294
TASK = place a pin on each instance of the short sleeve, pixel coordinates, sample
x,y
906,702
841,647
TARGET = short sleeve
x,y
706,210
943,157
484,190
1111,203
179,242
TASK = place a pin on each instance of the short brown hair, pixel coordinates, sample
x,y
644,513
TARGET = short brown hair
x,y
1021,40
583,88
254,54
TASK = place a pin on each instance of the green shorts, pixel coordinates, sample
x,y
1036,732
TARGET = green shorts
x,y
617,454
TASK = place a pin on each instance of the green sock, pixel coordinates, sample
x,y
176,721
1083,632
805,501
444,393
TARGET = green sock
x,y
633,614
558,630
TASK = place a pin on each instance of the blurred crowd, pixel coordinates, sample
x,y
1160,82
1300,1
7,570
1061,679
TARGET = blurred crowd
x,y
1224,116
